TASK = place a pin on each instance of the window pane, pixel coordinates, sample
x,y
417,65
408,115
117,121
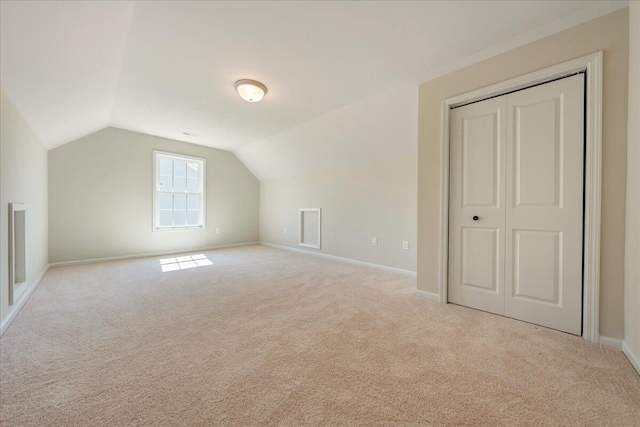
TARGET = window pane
x,y
166,201
179,184
192,185
166,218
179,218
166,166
179,169
180,201
165,183
192,170
193,202
192,217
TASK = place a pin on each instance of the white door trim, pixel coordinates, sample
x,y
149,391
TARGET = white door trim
x,y
593,176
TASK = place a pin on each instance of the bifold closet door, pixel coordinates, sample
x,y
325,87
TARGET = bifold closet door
x,y
544,209
476,205
516,204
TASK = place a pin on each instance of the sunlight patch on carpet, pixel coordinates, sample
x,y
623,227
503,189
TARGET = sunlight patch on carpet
x,y
184,262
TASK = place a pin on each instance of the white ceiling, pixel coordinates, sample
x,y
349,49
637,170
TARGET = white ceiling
x,y
60,62
342,76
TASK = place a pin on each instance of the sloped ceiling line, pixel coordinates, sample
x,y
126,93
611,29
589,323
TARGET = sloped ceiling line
x,y
342,76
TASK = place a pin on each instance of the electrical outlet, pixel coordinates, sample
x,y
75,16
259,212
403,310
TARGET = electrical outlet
x,y
217,231
405,245
284,231
374,241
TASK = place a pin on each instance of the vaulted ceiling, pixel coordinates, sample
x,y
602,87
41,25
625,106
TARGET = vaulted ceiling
x,y
342,76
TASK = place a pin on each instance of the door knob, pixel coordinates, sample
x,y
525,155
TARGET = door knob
x,y
475,218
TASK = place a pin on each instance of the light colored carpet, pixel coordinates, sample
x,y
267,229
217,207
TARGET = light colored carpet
x,y
267,337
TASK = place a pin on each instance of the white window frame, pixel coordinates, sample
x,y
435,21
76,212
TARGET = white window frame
x,y
202,179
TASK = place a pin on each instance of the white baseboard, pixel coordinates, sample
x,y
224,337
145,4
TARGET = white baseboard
x,y
427,295
611,342
22,299
341,259
619,344
146,255
632,356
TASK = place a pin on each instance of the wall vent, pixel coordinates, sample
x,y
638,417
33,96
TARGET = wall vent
x,y
310,227
17,250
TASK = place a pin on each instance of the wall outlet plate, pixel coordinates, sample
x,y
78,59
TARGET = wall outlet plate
x,y
374,241
405,245
217,231
284,231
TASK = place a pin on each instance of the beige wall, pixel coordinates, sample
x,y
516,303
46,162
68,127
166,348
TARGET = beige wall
x,y
632,254
23,178
100,198
358,203
609,34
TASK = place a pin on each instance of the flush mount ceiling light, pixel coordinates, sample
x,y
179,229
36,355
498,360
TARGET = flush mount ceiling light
x,y
250,90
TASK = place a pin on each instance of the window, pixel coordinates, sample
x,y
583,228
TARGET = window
x,y
178,191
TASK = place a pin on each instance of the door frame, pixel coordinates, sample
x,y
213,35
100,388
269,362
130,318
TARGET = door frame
x,y
592,64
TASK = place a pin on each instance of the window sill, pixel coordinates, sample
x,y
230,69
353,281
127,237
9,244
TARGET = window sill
x,y
186,228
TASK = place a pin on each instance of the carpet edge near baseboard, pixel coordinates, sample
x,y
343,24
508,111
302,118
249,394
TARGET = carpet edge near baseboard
x,y
342,259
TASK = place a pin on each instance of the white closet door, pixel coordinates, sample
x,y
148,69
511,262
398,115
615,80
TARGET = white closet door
x,y
477,189
544,204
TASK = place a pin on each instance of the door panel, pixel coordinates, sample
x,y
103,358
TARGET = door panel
x,y
537,145
480,162
536,266
544,193
477,183
480,258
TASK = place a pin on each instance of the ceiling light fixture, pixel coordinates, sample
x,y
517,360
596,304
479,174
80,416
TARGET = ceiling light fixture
x,y
250,90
